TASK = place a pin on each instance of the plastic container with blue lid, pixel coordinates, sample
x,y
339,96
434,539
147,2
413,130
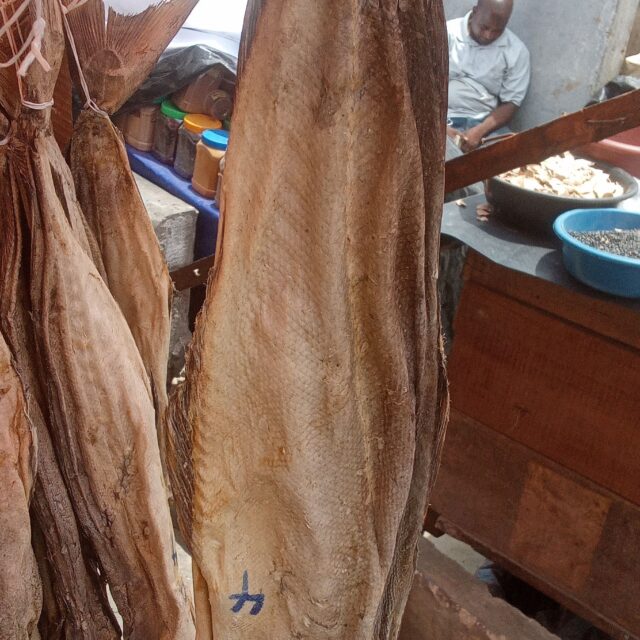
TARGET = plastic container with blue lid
x,y
216,139
209,153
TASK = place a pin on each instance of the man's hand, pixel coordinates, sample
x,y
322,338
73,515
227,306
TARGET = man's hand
x,y
500,117
453,133
472,139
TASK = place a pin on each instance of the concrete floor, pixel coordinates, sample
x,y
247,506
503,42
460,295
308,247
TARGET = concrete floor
x,y
184,563
467,557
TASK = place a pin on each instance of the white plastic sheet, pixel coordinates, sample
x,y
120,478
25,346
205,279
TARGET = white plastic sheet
x,y
209,15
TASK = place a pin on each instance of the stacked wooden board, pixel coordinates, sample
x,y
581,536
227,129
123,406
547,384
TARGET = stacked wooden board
x,y
540,468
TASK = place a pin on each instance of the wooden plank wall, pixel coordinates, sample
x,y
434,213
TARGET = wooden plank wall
x,y
541,466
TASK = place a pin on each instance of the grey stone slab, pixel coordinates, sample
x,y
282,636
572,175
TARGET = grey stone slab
x,y
174,222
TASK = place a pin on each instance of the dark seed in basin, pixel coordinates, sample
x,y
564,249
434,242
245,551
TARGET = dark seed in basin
x,y
622,242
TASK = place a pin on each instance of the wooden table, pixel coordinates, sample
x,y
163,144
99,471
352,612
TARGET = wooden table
x,y
541,466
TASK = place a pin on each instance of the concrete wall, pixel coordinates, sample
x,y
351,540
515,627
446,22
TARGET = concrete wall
x,y
576,47
634,40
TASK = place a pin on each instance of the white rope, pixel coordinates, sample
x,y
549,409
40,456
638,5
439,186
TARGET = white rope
x,y
14,18
37,106
35,53
89,103
32,44
17,56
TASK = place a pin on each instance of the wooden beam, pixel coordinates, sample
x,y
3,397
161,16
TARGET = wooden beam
x,y
568,132
448,603
193,274
589,125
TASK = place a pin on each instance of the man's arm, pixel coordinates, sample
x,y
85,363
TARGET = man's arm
x,y
500,117
513,91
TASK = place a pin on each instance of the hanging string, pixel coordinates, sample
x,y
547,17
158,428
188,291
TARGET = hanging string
x,y
14,18
32,45
37,106
89,102
35,50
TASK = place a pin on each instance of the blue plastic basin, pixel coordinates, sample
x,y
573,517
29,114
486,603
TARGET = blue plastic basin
x,y
606,272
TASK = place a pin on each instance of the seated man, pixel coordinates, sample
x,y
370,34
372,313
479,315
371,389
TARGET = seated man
x,y
489,72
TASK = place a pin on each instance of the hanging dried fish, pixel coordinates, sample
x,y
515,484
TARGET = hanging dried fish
x,y
115,55
306,438
20,589
77,605
135,270
102,415
98,404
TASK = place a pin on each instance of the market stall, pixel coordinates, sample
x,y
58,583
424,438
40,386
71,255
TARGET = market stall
x,y
540,469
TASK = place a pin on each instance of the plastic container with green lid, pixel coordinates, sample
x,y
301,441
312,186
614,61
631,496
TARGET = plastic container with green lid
x,y
166,133
170,110
209,154
189,134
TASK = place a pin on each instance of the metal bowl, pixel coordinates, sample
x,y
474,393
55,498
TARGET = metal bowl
x,y
535,212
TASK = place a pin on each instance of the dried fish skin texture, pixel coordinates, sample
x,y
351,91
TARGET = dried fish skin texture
x,y
102,420
76,604
20,588
135,270
306,438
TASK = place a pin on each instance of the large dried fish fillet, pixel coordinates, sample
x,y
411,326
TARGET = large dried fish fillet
x,y
115,53
102,416
135,270
20,589
305,441
80,608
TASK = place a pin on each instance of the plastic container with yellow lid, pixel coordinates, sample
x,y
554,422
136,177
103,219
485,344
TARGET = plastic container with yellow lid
x,y
193,126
